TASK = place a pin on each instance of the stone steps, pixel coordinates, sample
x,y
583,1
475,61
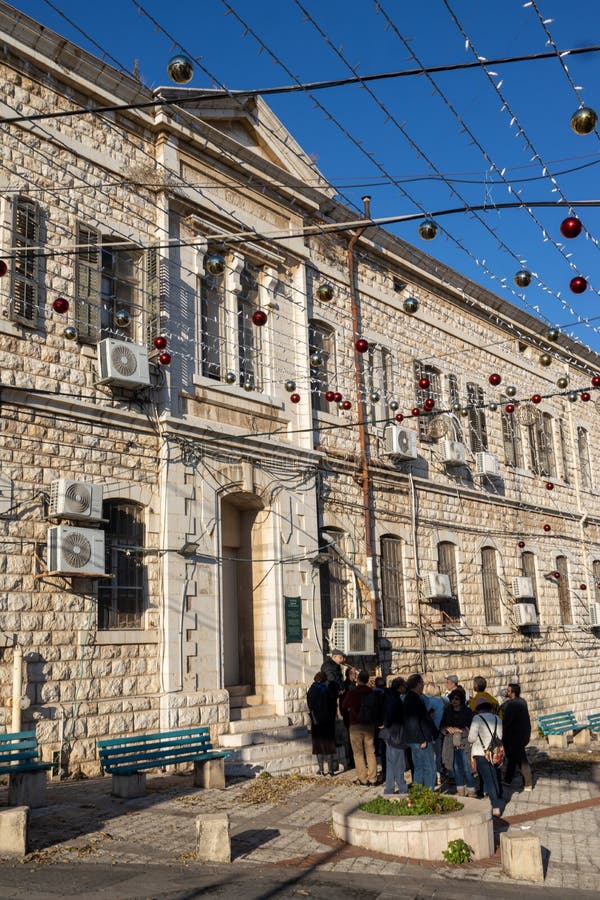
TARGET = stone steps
x,y
243,700
268,723
254,753
236,714
275,736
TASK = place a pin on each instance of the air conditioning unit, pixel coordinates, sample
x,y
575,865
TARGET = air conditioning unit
x,y
78,551
595,615
487,464
454,453
401,442
123,363
525,614
352,636
437,586
522,588
80,500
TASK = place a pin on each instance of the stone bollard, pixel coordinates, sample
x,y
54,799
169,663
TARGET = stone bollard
x,y
13,831
213,838
559,741
521,854
582,738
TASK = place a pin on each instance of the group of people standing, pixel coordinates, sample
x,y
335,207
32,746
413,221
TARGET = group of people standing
x,y
411,726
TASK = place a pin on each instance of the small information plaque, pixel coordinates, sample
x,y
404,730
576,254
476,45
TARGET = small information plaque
x,y
293,620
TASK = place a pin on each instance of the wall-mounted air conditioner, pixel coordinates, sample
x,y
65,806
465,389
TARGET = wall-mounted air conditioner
x,y
437,586
352,636
522,588
80,500
595,615
123,363
486,464
401,442
78,551
454,453
525,614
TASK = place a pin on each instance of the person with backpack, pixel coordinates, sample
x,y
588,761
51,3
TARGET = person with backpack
x,y
419,732
358,703
392,734
485,738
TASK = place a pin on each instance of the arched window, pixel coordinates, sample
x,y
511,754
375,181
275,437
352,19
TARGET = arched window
x,y
541,446
583,450
476,419
433,392
249,336
446,552
491,586
122,600
322,378
511,434
596,577
380,380
392,582
528,570
562,584
337,578
212,324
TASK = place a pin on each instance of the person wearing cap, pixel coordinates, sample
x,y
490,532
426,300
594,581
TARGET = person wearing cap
x,y
451,685
332,668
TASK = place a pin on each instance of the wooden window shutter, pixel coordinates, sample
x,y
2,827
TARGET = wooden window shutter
x,y
26,264
87,285
152,296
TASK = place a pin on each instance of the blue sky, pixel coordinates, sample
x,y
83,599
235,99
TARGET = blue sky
x,y
419,156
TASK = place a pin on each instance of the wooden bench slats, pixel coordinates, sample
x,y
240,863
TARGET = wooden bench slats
x,y
170,735
19,753
151,745
25,767
17,736
133,767
129,755
559,723
115,758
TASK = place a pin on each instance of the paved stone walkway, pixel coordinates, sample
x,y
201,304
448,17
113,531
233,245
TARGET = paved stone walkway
x,y
83,822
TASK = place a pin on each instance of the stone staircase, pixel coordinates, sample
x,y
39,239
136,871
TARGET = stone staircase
x,y
259,740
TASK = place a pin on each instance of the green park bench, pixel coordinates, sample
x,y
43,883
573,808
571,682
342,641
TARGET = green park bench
x,y
19,759
559,725
594,722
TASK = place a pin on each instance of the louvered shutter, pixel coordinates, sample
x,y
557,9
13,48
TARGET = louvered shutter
x,y
25,269
152,295
87,285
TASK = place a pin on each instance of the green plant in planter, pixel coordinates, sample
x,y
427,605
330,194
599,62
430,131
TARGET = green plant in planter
x,y
420,801
458,852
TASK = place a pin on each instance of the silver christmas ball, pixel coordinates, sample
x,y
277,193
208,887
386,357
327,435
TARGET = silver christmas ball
x,y
511,390
410,305
231,378
523,278
492,407
552,334
545,360
374,396
122,318
290,386
393,405
464,411
325,292
70,333
427,229
180,69
584,121
248,384
215,264
562,382
316,360
572,396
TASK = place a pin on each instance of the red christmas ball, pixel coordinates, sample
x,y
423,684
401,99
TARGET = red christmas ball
x,y
330,396
547,528
424,383
596,381
585,396
160,342
583,587
164,359
399,417
259,317
346,404
556,575
521,544
571,227
294,398
3,268
509,408
337,396
536,398
60,305
416,411
362,345
495,379
578,284
549,486
429,404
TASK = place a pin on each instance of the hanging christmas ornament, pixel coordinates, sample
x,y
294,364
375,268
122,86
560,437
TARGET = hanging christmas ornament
x,y
595,380
316,360
415,411
215,264
549,486
399,417
337,397
464,411
160,342
545,360
578,284
294,398
375,396
70,333
547,528
346,404
562,382
248,383
527,414
585,396
429,404
427,229
60,305
3,268
410,305
180,69
492,406
552,334
537,398
393,404
584,121
122,318
571,227
572,396
325,292
509,408
424,383
361,345
583,587
556,576
521,544
165,359
523,278
259,317
495,379
456,408
231,378
290,386
511,390
329,396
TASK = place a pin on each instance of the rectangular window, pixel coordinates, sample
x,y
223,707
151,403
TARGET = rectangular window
x,y
447,566
434,392
321,343
87,285
249,335
380,382
541,446
596,577
511,435
153,275
119,289
392,583
476,418
212,310
564,599
25,275
583,451
528,570
562,446
491,586
121,601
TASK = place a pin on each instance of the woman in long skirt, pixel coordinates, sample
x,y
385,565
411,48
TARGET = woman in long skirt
x,y
322,706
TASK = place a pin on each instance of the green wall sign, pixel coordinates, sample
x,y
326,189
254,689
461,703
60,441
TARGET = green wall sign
x,y
293,620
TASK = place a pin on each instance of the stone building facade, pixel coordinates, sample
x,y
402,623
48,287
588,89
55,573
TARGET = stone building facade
x,y
241,510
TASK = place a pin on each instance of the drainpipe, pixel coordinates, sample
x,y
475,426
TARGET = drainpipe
x,y
364,477
17,687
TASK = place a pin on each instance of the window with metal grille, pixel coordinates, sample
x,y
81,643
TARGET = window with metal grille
x,y
392,582
562,584
446,553
434,391
491,586
122,599
249,335
25,273
562,448
596,577
476,418
337,579
380,381
528,570
541,445
212,325
583,452
322,378
511,436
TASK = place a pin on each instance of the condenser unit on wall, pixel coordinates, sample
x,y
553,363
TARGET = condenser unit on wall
x,y
454,453
525,614
401,442
80,500
522,588
352,636
486,464
123,363
437,586
595,615
78,551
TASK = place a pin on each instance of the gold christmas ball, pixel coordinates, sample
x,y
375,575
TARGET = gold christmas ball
x,y
562,382
214,264
552,334
316,360
325,292
572,396
122,318
511,390
427,229
492,407
523,278
180,69
545,360
584,121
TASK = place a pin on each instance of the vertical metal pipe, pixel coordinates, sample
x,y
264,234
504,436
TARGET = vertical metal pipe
x,y
17,687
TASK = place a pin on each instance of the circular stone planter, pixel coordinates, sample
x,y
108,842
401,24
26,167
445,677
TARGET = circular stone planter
x,y
418,837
